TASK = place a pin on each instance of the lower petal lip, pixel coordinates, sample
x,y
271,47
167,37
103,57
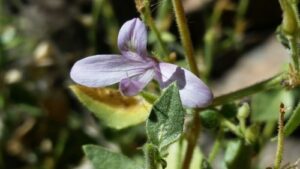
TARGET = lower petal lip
x,y
193,92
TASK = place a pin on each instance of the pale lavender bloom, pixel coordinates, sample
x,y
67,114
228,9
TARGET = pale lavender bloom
x,y
134,69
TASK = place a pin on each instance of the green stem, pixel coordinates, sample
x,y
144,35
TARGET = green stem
x,y
150,97
164,12
290,27
294,52
192,138
280,141
232,127
185,35
163,20
215,149
103,9
151,156
210,37
146,13
240,23
217,13
179,153
243,125
261,86
209,49
242,9
97,5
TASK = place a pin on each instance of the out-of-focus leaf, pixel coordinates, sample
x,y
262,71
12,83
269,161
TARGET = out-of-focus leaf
x,y
113,109
166,37
165,123
176,156
238,155
10,38
16,113
293,122
265,106
104,159
2,102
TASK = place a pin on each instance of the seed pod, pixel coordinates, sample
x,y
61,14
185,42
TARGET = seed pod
x,y
210,118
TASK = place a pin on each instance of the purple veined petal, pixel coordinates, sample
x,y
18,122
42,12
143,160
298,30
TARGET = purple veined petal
x,y
132,40
133,85
104,70
193,92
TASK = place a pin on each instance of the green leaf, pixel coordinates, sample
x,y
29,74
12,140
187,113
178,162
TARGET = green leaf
x,y
113,109
238,154
265,106
102,158
165,123
293,122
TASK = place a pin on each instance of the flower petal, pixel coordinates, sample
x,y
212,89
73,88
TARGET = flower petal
x,y
193,92
132,40
104,70
133,85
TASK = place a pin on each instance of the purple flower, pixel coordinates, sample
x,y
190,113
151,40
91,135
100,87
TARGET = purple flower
x,y
134,69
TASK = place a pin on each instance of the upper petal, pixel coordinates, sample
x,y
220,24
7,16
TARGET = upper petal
x,y
133,85
132,40
104,70
193,92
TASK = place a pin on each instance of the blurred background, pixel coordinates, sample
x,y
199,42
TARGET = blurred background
x,y
42,124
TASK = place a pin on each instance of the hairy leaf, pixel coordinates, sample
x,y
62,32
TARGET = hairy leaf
x,y
104,159
165,123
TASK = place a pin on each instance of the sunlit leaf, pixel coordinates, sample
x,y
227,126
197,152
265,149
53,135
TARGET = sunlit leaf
x,y
113,109
102,158
293,122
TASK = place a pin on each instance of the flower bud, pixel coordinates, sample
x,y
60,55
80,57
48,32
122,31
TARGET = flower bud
x,y
289,20
229,110
210,118
243,111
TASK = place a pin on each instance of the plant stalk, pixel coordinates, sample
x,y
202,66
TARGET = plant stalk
x,y
151,155
185,35
271,83
192,138
280,141
215,149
